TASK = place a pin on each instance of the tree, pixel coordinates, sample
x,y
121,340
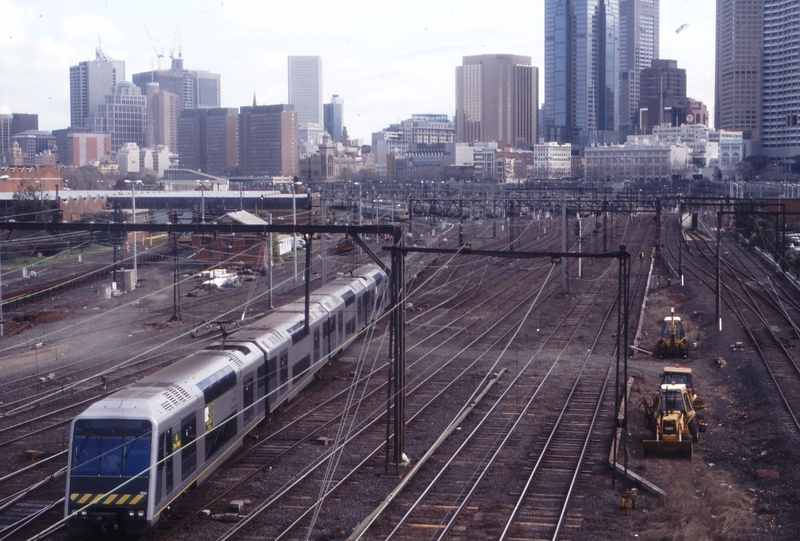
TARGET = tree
x,y
29,203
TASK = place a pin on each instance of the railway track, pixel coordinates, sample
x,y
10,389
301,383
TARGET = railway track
x,y
755,298
445,343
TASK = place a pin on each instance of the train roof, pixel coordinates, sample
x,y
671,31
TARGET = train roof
x,y
168,389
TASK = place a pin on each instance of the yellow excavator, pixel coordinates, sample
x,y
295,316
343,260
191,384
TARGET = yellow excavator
x,y
672,342
672,418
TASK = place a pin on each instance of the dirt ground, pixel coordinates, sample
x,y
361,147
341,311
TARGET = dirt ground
x,y
719,494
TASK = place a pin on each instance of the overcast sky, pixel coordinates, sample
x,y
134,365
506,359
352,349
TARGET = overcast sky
x,y
387,60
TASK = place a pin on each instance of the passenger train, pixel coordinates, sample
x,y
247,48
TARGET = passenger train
x,y
133,453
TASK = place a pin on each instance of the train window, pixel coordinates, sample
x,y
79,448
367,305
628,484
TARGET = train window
x,y
359,308
168,464
188,446
229,347
348,297
221,435
111,448
297,331
316,344
262,380
248,394
300,368
217,384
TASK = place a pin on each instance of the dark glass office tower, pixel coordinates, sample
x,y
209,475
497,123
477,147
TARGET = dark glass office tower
x,y
581,72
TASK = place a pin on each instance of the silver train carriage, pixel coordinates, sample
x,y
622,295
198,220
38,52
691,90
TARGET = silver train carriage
x,y
133,453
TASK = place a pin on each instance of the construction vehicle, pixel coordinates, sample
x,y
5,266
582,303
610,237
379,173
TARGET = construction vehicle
x,y
672,342
673,420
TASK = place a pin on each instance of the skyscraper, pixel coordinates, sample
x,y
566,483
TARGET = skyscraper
x,y
740,35
162,117
123,115
780,127
305,89
497,98
581,72
208,140
196,89
663,93
638,46
89,84
268,144
334,118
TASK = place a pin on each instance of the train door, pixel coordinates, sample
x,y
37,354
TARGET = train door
x,y
272,383
326,337
316,344
162,446
283,378
168,462
188,445
359,311
261,388
248,395
340,323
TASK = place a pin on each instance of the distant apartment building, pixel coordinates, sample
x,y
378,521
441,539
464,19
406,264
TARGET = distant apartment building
x,y
34,144
642,157
196,89
89,84
497,99
705,148
423,138
81,147
208,140
268,141
334,118
552,161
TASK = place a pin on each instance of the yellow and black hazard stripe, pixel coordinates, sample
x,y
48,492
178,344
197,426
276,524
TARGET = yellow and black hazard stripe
x,y
106,499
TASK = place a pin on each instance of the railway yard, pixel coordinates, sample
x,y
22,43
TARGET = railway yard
x,y
510,396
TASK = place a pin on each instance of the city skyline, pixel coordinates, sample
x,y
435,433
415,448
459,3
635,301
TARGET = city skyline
x,y
386,62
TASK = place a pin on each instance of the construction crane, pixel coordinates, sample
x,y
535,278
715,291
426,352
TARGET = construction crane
x,y
159,54
176,38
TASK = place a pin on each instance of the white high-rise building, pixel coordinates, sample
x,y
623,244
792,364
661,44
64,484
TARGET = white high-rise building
x,y
305,89
780,127
89,84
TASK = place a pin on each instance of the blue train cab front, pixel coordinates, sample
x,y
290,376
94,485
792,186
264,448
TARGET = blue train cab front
x,y
108,479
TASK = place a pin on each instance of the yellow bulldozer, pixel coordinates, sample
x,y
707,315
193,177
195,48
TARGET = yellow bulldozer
x,y
672,342
673,420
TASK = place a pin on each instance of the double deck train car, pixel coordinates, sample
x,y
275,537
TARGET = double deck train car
x,y
133,453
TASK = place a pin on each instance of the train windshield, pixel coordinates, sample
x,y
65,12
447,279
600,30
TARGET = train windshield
x,y
111,448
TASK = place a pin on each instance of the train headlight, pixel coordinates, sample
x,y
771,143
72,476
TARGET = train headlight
x,y
140,513
131,513
83,513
